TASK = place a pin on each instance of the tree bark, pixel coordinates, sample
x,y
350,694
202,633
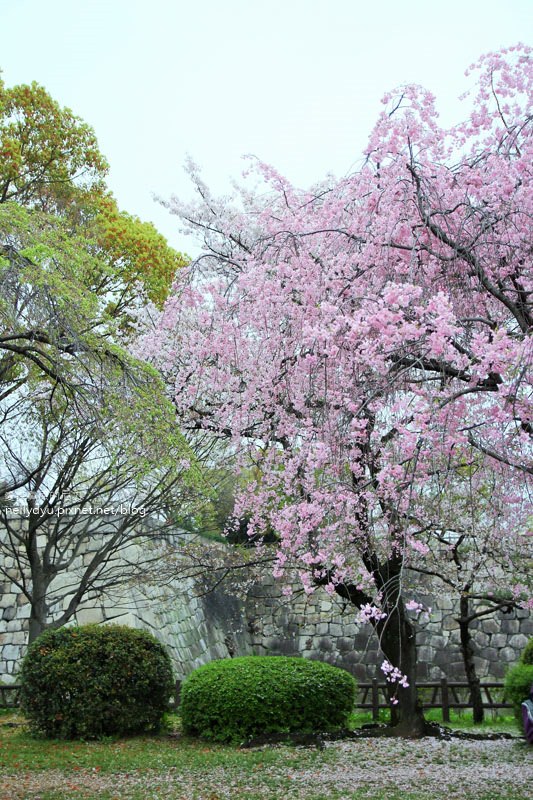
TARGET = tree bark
x,y
36,626
397,638
398,643
467,650
39,583
38,604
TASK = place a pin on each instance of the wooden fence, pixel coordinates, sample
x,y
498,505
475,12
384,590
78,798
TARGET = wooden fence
x,y
373,696
442,694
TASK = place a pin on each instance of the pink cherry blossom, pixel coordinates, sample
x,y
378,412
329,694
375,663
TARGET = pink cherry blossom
x,y
366,346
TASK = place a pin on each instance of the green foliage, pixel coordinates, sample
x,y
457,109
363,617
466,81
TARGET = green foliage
x,y
527,653
73,267
49,295
50,162
47,154
134,252
231,699
217,521
518,681
93,681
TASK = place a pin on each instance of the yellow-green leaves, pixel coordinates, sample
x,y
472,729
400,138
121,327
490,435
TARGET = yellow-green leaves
x,y
46,152
134,250
50,161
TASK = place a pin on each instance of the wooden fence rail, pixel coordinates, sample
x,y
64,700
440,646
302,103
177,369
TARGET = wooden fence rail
x,y
442,694
373,696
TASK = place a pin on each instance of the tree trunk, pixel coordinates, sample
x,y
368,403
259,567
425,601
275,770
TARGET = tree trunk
x,y
39,585
398,643
36,626
467,650
38,608
397,640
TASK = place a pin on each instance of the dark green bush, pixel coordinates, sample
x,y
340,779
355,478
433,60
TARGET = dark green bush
x,y
231,699
526,656
517,685
95,680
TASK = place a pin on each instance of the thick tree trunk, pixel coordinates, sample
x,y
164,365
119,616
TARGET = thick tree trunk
x,y
398,643
36,627
467,650
397,639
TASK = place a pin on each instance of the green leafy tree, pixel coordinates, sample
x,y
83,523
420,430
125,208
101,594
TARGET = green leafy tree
x,y
47,154
50,161
83,425
94,494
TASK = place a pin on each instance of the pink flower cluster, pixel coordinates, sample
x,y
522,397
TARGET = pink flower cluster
x,y
363,348
394,675
369,613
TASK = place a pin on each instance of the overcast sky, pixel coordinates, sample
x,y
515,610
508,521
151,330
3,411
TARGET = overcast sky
x,y
297,83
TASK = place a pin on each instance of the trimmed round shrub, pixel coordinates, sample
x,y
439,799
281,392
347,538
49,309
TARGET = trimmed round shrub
x,y
526,656
518,682
95,680
234,698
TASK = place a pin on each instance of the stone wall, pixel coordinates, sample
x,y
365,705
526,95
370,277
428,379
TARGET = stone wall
x,y
324,627
198,628
194,629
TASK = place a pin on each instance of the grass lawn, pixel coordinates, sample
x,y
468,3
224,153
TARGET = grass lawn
x,y
176,768
459,720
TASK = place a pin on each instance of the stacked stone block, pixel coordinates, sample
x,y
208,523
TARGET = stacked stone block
x,y
198,628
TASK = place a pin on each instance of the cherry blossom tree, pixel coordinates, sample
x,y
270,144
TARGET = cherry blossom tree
x,y
475,552
355,342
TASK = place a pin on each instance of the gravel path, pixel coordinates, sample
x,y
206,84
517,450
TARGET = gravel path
x,y
432,768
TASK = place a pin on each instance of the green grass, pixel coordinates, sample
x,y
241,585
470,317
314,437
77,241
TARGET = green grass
x,y
462,720
172,767
22,750
459,720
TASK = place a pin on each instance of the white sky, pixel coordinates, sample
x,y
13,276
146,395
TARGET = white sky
x,y
297,83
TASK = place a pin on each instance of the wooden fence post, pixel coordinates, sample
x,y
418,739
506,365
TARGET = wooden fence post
x,y
445,700
375,700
